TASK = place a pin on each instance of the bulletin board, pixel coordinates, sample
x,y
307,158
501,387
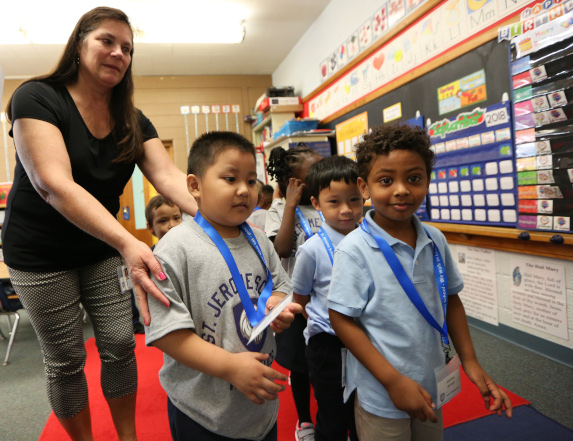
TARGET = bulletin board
x,y
421,96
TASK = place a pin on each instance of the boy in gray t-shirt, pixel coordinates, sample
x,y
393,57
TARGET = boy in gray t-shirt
x,y
219,386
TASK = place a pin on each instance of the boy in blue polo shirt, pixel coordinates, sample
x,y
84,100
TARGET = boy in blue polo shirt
x,y
332,184
393,285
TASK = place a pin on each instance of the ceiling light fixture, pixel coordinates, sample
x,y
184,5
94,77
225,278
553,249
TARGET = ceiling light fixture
x,y
190,21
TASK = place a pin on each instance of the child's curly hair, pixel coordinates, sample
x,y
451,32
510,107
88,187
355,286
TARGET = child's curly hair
x,y
282,163
384,139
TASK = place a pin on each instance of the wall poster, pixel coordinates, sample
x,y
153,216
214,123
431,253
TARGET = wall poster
x,y
538,296
479,295
464,92
349,133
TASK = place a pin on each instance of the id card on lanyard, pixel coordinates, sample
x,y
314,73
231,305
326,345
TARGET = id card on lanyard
x,y
254,316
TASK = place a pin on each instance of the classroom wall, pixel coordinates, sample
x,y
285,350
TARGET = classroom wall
x,y
300,69
160,99
504,284
336,23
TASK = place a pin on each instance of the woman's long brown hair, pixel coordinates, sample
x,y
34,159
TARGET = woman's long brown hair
x,y
124,115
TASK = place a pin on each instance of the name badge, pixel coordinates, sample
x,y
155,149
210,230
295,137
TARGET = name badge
x,y
448,380
124,279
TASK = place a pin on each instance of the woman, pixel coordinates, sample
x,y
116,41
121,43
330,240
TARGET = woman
x,y
78,138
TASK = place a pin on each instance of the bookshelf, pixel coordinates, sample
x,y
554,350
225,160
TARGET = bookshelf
x,y
274,119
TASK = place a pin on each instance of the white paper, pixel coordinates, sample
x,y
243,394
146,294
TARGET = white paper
x,y
507,199
506,166
466,200
493,215
491,184
465,186
538,295
509,216
480,215
491,168
492,199
268,319
506,183
479,296
479,200
454,187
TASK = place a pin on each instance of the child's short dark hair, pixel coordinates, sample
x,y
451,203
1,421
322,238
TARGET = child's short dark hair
x,y
384,139
205,149
154,203
329,169
268,189
282,162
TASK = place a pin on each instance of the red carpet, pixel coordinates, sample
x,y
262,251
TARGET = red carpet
x,y
151,414
151,408
468,405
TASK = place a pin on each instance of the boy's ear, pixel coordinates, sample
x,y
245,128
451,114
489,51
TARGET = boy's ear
x,y
363,187
193,186
150,229
315,203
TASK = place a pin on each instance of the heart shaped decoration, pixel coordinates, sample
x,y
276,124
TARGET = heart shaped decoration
x,y
378,61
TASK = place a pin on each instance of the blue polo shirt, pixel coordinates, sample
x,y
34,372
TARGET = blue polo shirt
x,y
363,286
311,276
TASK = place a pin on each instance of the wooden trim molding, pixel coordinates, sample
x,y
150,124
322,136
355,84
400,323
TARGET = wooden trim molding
x,y
506,239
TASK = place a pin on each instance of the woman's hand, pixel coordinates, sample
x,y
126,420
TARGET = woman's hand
x,y
140,261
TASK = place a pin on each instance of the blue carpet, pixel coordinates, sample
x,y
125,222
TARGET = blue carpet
x,y
527,424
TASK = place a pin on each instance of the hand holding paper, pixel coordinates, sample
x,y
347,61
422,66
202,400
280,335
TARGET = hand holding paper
x,y
279,315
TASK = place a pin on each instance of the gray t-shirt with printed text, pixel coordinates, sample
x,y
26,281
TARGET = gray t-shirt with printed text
x,y
204,299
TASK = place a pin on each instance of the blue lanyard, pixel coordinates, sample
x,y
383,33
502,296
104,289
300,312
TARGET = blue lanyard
x,y
253,315
256,208
304,223
408,286
327,243
326,240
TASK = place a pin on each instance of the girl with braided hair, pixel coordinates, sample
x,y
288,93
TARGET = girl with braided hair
x,y
290,222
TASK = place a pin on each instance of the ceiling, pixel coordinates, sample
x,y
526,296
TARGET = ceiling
x,y
273,27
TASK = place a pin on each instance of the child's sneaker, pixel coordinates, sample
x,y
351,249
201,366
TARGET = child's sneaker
x,y
304,432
